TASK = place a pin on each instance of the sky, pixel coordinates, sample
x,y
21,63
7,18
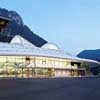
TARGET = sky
x,y
74,25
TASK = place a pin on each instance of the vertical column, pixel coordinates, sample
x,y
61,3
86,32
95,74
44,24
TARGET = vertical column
x,y
34,73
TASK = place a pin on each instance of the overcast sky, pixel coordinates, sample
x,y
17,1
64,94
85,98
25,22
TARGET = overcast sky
x,y
74,25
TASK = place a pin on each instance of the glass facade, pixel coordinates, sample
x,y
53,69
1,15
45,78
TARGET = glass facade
x,y
30,66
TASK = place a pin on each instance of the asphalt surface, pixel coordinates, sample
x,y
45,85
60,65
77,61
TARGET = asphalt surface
x,y
50,89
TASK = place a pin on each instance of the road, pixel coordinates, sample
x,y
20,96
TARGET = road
x,y
50,89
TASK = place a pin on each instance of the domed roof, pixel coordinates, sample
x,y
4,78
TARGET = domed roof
x,y
50,46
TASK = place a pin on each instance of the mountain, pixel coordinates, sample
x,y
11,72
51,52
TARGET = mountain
x,y
93,55
90,54
16,27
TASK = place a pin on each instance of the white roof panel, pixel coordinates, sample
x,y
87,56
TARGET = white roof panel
x,y
18,49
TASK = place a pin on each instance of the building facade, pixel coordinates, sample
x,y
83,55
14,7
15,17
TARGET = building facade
x,y
22,59
34,66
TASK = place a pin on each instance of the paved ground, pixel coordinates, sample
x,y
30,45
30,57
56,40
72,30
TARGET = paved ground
x,y
50,89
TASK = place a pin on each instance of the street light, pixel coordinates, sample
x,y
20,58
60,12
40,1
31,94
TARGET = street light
x,y
3,22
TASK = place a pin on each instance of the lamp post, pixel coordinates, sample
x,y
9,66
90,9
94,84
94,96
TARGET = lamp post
x,y
3,22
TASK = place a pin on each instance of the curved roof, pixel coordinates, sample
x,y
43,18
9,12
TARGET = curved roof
x,y
18,49
50,46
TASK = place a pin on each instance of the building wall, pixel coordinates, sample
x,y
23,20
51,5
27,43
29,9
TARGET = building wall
x,y
62,73
30,66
